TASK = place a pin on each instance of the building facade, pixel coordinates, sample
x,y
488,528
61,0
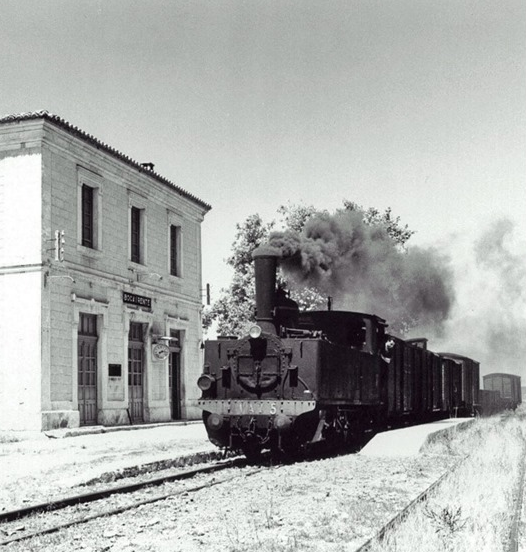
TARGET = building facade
x,y
100,283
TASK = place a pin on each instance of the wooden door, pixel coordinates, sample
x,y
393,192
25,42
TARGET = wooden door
x,y
174,375
136,373
87,369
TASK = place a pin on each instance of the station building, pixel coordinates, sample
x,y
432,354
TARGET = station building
x,y
100,283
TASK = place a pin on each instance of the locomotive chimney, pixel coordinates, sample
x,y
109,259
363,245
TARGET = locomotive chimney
x,y
265,265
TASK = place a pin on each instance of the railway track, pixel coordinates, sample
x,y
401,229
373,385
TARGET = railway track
x,y
75,516
513,543
398,518
16,534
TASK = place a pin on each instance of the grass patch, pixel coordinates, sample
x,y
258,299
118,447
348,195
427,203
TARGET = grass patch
x,y
9,438
474,506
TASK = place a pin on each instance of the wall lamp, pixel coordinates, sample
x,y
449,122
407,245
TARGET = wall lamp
x,y
162,338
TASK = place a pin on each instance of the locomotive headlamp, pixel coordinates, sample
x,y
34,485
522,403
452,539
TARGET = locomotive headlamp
x,y
205,382
254,332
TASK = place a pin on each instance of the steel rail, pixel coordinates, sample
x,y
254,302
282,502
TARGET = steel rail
x,y
398,518
82,498
120,509
513,543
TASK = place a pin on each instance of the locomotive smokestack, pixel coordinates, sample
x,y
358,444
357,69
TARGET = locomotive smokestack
x,y
265,265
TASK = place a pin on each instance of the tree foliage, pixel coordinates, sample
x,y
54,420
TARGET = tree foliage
x,y
294,217
233,312
249,235
373,217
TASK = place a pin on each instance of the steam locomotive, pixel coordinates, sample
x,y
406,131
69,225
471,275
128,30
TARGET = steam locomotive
x,y
303,380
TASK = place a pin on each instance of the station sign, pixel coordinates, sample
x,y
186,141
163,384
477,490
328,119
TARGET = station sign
x,y
139,300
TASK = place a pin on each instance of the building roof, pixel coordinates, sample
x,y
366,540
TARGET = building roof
x,y
62,123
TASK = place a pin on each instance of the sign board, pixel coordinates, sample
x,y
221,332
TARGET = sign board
x,y
139,300
114,370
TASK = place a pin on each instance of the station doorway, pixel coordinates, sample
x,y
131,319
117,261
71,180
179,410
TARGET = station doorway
x,y
87,369
136,373
174,374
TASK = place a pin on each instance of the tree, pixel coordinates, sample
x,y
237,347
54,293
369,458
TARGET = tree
x,y
250,235
294,217
372,216
234,310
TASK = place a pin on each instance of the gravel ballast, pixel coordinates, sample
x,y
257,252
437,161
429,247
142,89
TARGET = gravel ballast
x,y
326,505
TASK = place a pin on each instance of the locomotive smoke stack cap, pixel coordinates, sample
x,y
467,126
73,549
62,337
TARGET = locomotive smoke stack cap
x,y
265,265
266,250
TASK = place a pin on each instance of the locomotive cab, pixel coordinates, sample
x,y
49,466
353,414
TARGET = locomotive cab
x,y
362,332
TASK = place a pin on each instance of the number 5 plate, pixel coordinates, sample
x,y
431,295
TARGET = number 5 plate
x,y
257,408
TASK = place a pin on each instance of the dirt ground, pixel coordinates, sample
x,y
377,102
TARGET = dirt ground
x,y
35,469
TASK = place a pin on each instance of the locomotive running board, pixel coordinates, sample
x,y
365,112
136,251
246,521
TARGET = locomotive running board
x,y
256,408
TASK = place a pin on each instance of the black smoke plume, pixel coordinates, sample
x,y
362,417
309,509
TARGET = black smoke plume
x,y
363,269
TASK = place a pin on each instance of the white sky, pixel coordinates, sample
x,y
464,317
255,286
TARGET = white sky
x,y
414,104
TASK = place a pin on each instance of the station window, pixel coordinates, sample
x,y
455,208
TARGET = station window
x,y
175,250
136,235
88,213
89,209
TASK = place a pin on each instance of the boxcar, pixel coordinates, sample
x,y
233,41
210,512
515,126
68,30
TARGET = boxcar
x,y
509,387
466,383
489,402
